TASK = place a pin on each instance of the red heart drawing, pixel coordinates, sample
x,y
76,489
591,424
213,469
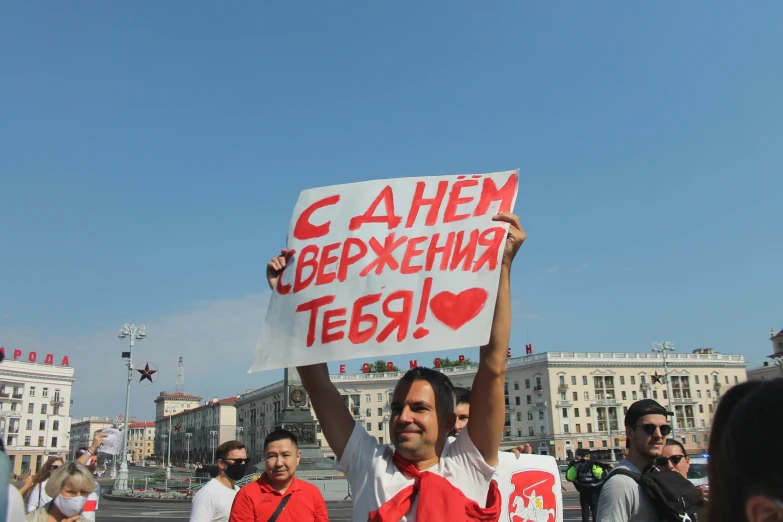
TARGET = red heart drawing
x,y
456,310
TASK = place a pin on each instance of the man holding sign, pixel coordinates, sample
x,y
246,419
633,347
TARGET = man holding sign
x,y
417,481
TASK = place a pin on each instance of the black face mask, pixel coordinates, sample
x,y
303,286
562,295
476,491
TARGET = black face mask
x,y
236,471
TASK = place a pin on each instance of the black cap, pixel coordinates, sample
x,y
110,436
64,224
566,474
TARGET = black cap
x,y
644,407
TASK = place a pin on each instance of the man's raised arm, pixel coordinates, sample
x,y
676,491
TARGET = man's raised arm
x,y
336,421
488,410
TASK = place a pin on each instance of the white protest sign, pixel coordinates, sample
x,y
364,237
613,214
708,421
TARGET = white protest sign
x,y
113,443
530,488
388,267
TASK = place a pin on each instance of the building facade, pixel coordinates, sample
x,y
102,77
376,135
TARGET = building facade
x,y
35,410
770,369
83,431
141,441
196,432
559,402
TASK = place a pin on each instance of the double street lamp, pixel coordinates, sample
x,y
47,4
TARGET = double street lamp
x,y
132,332
664,347
169,411
187,440
213,434
239,431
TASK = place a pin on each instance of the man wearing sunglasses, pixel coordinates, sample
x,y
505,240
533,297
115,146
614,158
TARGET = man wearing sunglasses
x,y
622,498
212,503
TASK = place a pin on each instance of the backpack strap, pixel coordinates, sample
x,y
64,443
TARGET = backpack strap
x,y
627,472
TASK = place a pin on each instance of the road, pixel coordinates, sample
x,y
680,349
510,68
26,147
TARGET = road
x,y
113,511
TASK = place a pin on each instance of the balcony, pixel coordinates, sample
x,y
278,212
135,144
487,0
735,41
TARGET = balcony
x,y
4,394
563,404
562,388
538,388
610,403
57,402
13,430
17,396
540,405
717,386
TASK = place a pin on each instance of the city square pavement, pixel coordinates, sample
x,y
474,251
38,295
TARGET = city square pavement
x,y
113,511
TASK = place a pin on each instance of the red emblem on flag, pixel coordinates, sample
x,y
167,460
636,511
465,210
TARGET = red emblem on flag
x,y
533,498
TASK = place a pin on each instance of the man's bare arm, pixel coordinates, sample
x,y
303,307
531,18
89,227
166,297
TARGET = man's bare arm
x,y
336,421
488,411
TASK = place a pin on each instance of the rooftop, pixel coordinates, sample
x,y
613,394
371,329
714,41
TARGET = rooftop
x,y
142,424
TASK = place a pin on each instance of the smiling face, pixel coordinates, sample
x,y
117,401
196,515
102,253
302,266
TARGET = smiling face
x,y
282,458
415,428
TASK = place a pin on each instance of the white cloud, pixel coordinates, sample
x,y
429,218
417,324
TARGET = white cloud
x,y
582,268
217,340
553,270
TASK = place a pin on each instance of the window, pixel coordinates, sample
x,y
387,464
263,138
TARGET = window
x,y
540,415
530,399
625,397
625,410
31,408
697,379
575,396
40,442
576,412
380,412
32,391
42,425
519,432
530,415
562,380
579,428
587,412
589,427
701,409
591,444
54,442
516,385
367,398
709,395
698,394
579,444
518,400
527,383
26,440
380,426
573,380
368,412
706,379
565,413
563,396
565,429
29,424
539,385
43,409
368,427
379,397
603,443
665,396
541,429
702,422
633,380
726,377
655,394
56,410
45,392
622,379
587,396
530,430
519,416
584,380
736,381
693,438
710,407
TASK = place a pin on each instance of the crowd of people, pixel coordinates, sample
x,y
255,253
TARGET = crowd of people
x,y
443,457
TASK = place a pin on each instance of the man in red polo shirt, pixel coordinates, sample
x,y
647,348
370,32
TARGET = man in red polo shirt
x,y
263,500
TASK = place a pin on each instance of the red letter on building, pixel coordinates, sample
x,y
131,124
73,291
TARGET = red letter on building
x,y
342,368
460,359
414,363
437,362
32,356
366,368
17,354
49,358
65,361
390,366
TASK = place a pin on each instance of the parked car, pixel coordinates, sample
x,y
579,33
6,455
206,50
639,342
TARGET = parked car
x,y
697,473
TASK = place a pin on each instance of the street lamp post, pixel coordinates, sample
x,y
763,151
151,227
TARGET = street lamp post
x,y
187,440
664,347
133,332
165,437
169,410
6,415
213,434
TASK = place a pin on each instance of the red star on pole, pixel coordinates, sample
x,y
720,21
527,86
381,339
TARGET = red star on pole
x,y
146,373
656,378
177,427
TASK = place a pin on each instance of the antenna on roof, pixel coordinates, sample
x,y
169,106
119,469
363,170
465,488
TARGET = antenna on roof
x,y
181,376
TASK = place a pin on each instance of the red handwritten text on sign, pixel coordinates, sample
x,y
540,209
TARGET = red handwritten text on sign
x,y
380,266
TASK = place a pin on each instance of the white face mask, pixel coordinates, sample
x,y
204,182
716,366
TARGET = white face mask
x,y
69,506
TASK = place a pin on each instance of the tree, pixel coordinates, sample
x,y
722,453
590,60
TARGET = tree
x,y
448,363
380,367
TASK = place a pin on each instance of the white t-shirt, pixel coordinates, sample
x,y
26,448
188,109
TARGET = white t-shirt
x,y
374,478
213,502
38,497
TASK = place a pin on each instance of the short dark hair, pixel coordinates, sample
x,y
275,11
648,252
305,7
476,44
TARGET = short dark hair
x,y
227,447
675,442
463,396
441,386
280,434
747,413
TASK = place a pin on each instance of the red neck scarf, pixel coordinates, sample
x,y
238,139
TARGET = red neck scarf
x,y
439,500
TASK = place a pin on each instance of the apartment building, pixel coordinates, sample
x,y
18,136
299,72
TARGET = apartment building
x,y
141,441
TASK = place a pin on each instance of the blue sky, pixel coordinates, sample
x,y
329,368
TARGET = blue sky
x,y
152,155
